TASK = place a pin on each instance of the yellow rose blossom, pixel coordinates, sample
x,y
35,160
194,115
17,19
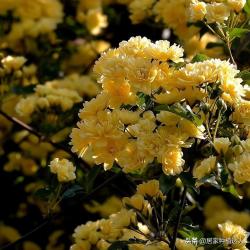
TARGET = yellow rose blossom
x,y
8,233
111,205
234,232
197,10
119,93
13,63
236,5
183,245
140,10
96,21
150,188
172,161
241,168
64,170
221,145
217,12
205,167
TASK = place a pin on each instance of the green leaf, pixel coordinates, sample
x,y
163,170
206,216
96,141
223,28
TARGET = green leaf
x,y
232,190
119,245
191,232
167,183
237,32
43,193
23,89
72,191
245,75
188,180
183,111
199,58
223,174
247,7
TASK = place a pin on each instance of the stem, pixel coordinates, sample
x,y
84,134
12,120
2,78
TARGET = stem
x,y
230,52
182,203
12,244
217,125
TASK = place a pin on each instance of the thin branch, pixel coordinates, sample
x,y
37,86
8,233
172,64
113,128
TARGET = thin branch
x,y
182,203
39,227
41,136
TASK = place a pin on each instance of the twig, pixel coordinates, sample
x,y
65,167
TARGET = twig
x,y
39,227
41,136
182,203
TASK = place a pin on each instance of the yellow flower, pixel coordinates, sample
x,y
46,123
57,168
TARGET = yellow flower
x,y
122,219
236,233
92,107
241,168
112,205
150,188
136,201
197,10
221,145
172,161
162,51
96,21
242,112
139,10
8,234
213,205
135,46
236,5
205,167
119,93
184,245
64,170
29,245
217,12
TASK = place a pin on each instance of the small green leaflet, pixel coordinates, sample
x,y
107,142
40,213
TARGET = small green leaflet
x,y
237,32
199,58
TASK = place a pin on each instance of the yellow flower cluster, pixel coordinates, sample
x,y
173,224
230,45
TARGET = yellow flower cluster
x,y
33,18
63,93
214,11
112,205
100,234
111,132
13,71
217,211
64,170
173,13
236,234
90,14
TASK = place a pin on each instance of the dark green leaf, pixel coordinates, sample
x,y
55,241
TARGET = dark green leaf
x,y
182,111
24,89
223,174
119,245
72,191
237,32
232,190
199,58
188,180
167,183
43,193
245,75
